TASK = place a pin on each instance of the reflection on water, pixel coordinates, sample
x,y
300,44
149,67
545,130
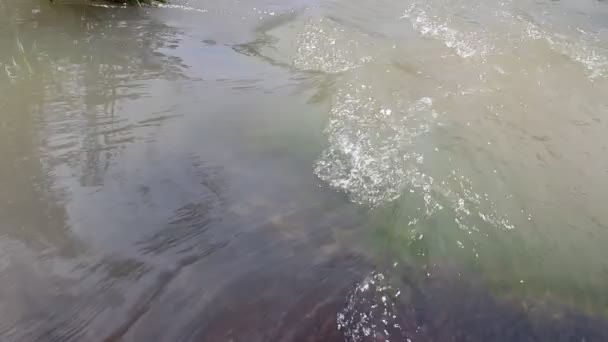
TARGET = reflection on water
x,y
303,171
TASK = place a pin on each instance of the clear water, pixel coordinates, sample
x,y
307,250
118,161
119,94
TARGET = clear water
x,y
304,170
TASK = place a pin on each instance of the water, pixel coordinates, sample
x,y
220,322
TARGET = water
x,y
304,170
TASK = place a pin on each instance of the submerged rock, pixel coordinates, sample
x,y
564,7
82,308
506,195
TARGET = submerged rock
x,y
321,306
450,308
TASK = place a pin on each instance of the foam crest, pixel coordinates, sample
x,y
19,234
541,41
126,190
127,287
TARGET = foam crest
x,y
371,153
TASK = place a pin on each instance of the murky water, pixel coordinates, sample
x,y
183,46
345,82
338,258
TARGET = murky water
x,y
304,170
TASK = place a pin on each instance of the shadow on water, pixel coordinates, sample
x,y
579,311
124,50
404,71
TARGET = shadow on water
x,y
66,72
280,278
70,77
78,63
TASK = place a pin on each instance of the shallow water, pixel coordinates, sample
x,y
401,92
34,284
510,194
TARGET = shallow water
x,y
304,170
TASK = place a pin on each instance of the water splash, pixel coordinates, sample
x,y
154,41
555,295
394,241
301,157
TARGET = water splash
x,y
181,7
580,48
370,311
465,44
325,46
371,152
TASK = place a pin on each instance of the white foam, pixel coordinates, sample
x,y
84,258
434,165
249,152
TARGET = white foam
x,y
578,45
579,48
324,46
370,311
371,153
181,7
465,44
377,135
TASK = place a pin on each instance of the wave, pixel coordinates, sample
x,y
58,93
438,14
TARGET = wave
x,y
371,153
579,46
465,44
